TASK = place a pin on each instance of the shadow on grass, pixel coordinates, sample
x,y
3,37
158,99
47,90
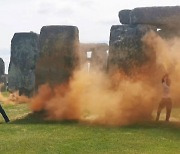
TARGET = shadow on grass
x,y
154,124
38,118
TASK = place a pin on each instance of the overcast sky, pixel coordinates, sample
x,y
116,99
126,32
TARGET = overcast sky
x,y
94,18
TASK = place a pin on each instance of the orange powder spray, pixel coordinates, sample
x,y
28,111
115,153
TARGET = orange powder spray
x,y
115,99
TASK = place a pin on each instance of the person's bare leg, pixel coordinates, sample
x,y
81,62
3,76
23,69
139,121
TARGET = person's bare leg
x,y
159,111
168,110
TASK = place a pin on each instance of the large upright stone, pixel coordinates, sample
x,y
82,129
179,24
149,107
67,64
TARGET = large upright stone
x,y
24,52
126,47
161,17
2,67
98,57
83,49
3,81
58,54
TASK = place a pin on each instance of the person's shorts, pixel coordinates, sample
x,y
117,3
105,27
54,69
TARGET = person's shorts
x,y
166,102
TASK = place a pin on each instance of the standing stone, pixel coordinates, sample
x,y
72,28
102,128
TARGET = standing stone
x,y
2,67
98,57
58,54
3,81
83,49
126,47
24,52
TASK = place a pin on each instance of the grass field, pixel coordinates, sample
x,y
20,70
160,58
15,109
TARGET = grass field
x,y
28,133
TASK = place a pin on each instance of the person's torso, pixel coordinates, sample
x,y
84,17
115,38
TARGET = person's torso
x,y
166,90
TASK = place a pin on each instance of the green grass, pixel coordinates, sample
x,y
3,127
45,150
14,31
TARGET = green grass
x,y
28,133
5,93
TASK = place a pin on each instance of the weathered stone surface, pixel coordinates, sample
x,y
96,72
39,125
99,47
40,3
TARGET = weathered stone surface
x,y
2,67
124,16
83,49
3,81
169,33
24,52
162,17
126,47
58,54
98,57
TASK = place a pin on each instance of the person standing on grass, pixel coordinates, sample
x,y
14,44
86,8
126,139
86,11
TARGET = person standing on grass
x,y
4,114
166,98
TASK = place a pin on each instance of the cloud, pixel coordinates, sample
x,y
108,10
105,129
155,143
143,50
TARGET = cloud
x,y
87,3
66,11
109,22
47,8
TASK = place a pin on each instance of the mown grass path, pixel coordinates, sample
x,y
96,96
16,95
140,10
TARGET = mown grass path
x,y
28,133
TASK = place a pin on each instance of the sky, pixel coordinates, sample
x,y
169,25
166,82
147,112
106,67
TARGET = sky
x,y
93,18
